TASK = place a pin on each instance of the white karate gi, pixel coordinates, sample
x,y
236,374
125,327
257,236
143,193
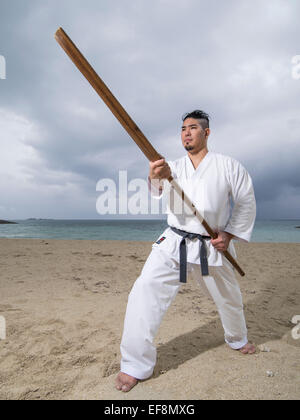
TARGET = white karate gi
x,y
216,182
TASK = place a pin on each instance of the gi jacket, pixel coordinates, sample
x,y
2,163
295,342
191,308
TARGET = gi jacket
x,y
222,190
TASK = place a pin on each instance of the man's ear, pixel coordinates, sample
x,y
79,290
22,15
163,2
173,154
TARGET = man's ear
x,y
207,132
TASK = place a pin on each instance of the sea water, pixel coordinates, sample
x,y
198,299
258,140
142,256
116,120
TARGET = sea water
x,y
132,230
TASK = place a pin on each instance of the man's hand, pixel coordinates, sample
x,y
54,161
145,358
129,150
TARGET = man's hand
x,y
221,243
159,170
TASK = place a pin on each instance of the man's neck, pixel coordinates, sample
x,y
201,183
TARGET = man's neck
x,y
197,158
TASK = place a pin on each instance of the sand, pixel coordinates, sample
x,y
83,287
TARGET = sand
x,y
64,305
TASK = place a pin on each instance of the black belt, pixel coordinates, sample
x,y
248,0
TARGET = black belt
x,y
182,251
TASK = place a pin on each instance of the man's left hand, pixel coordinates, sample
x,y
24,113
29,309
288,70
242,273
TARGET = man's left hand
x,y
221,243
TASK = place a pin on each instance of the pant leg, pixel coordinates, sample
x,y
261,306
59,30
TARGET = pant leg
x,y
223,288
148,301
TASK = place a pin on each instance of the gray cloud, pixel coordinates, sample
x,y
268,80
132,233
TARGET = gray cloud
x,y
160,59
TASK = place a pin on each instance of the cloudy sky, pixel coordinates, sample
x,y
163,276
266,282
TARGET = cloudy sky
x,y
160,58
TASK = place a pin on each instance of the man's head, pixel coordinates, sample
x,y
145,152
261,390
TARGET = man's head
x,y
199,115
195,131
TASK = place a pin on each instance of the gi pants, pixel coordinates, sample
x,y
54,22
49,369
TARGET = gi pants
x,y
153,293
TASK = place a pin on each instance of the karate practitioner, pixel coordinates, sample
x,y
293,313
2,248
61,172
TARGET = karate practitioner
x,y
222,191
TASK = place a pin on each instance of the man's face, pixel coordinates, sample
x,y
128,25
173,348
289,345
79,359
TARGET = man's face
x,y
193,136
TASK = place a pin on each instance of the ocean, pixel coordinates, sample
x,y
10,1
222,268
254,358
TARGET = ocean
x,y
132,230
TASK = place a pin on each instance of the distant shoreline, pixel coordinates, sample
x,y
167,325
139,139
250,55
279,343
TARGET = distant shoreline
x,y
130,230
7,222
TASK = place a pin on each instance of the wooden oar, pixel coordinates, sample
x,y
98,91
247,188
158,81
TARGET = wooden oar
x,y
126,121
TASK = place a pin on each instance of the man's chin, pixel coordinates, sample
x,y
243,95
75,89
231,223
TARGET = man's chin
x,y
189,148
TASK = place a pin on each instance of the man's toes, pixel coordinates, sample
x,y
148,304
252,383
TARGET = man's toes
x,y
125,382
129,385
248,349
118,385
251,349
119,382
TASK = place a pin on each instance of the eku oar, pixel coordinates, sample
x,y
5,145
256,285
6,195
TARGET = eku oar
x,y
132,129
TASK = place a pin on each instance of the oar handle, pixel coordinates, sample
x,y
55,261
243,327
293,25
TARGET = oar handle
x,y
106,95
199,216
125,120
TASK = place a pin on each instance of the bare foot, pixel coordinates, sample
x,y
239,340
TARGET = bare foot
x,y
125,382
248,349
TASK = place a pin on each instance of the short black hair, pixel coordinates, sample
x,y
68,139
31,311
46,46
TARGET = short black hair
x,y
202,116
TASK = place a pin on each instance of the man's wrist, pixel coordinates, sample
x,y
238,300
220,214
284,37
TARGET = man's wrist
x,y
155,183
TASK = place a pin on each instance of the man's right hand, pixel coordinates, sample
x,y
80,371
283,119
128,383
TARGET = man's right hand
x,y
159,170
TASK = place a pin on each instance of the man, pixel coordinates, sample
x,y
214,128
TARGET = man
x,y
213,182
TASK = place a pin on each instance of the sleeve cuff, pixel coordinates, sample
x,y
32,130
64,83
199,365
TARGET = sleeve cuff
x,y
239,236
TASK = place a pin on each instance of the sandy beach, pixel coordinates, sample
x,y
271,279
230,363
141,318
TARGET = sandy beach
x,y
64,304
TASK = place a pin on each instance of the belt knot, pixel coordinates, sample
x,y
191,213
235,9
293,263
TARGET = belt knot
x,y
183,254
